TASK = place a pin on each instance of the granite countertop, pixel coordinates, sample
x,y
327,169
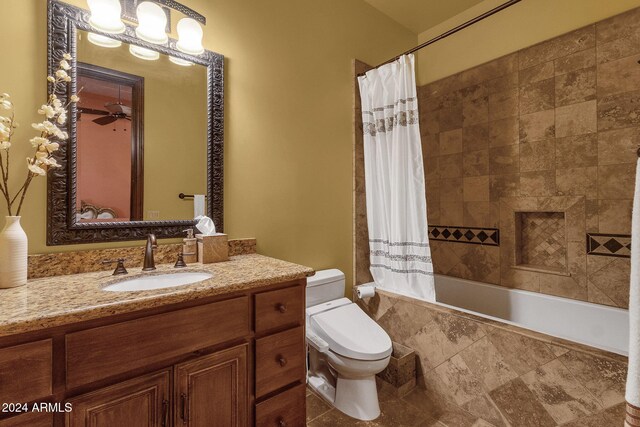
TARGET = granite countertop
x,y
59,300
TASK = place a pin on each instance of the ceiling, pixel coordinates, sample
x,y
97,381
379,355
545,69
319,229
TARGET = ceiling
x,y
420,15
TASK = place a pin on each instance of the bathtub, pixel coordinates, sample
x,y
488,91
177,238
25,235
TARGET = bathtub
x,y
595,325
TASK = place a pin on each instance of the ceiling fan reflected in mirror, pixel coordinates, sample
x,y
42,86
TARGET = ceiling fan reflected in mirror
x,y
113,111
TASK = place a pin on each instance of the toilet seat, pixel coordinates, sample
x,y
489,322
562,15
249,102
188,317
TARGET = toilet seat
x,y
351,333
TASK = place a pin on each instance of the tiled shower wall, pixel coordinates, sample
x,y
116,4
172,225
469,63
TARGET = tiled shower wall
x,y
551,130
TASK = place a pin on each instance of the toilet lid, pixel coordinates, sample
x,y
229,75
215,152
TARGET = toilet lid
x,y
351,333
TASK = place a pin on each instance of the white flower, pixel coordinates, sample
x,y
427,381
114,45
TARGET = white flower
x,y
62,118
67,56
5,145
35,169
5,131
49,147
51,79
47,110
38,141
5,104
60,134
56,102
43,159
74,98
4,95
65,65
45,126
62,74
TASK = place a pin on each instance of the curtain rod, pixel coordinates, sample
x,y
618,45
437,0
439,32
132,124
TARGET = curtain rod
x,y
452,31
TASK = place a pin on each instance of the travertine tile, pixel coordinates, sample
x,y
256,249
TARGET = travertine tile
x,y
577,151
614,216
537,156
450,166
481,214
590,206
450,112
611,417
475,163
315,407
578,182
563,286
520,406
618,146
503,104
604,378
476,188
537,183
457,377
486,362
451,190
504,160
575,86
537,126
503,132
576,119
564,45
521,353
451,213
536,73
503,186
431,168
502,83
475,111
613,280
621,75
537,96
475,137
450,142
564,398
619,111
575,61
616,181
477,262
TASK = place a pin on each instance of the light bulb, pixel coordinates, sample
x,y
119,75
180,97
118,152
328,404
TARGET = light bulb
x,y
189,36
152,23
180,62
103,41
143,53
105,16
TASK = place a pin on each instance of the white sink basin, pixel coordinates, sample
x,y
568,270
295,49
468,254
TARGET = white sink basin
x,y
157,281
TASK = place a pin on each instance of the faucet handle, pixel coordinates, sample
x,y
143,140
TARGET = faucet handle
x,y
119,267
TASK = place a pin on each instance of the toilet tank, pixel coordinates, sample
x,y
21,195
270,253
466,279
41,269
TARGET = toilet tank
x,y
325,286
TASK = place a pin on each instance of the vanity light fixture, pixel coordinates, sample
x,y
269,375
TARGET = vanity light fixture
x,y
190,37
144,53
105,16
152,23
103,41
180,62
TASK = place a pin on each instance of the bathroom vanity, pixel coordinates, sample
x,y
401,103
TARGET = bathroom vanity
x,y
228,351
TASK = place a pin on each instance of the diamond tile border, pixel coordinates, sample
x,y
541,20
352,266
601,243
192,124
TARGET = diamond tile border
x,y
615,245
459,234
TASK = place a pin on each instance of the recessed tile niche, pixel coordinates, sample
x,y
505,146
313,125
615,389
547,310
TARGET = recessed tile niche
x,y
541,241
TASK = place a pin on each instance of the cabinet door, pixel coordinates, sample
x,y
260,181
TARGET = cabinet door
x,y
140,402
32,419
212,391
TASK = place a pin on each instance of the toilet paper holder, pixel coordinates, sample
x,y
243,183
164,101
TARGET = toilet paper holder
x,y
365,291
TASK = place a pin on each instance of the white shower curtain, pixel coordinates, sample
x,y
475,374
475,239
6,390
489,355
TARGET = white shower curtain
x,y
394,176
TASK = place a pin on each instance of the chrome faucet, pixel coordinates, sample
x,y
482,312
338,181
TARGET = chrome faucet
x,y
149,264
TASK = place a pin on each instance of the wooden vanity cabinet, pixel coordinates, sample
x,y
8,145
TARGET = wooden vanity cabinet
x,y
227,361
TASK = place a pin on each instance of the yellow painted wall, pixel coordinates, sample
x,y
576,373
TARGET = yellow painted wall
x,y
288,113
521,25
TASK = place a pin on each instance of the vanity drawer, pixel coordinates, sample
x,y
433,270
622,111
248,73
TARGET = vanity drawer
x,y
280,360
279,308
99,353
25,372
285,409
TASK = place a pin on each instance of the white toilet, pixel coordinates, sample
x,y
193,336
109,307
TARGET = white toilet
x,y
346,347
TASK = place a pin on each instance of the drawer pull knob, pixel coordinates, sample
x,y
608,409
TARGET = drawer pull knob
x,y
282,422
282,308
282,361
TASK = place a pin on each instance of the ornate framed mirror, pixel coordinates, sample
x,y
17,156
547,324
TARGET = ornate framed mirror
x,y
144,132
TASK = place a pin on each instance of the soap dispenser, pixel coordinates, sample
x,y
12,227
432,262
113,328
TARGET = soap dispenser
x,y
190,247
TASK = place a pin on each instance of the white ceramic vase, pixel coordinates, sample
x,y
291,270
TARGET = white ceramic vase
x,y
13,254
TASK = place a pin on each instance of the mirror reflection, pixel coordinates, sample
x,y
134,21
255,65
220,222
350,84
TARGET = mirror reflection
x,y
141,134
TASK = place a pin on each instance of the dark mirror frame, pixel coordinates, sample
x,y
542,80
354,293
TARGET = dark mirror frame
x,y
64,21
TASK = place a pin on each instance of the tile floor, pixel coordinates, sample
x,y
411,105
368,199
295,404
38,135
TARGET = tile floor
x,y
396,412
